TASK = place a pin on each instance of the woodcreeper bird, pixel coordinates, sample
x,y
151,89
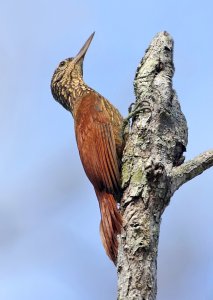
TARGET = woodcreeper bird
x,y
98,129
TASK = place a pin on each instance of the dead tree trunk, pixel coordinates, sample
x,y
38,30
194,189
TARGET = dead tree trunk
x,y
153,169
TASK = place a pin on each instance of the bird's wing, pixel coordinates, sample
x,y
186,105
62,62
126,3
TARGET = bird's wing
x,y
107,157
96,144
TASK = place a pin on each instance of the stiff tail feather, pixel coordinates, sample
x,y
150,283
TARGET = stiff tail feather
x,y
111,223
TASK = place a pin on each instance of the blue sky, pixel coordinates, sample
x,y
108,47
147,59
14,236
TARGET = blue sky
x,y
49,218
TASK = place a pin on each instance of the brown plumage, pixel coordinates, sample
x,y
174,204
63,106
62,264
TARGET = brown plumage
x,y
98,129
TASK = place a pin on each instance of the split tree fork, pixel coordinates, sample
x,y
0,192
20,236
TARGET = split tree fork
x,y
153,165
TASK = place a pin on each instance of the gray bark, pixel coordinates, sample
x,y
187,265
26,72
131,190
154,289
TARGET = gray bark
x,y
152,169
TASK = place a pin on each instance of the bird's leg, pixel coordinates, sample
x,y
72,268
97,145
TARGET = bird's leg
x,y
125,127
133,110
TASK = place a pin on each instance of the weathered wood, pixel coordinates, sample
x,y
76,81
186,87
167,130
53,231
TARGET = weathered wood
x,y
152,169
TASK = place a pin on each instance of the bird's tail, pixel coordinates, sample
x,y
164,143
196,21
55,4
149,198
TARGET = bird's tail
x,y
111,223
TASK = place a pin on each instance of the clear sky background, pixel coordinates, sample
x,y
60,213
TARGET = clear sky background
x,y
49,217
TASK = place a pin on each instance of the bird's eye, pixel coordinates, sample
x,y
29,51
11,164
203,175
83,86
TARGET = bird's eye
x,y
62,63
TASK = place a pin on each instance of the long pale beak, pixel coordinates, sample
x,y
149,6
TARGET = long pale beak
x,y
84,49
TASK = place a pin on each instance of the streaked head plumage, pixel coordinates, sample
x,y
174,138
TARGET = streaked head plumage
x,y
67,75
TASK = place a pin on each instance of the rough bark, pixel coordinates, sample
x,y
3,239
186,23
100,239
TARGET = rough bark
x,y
152,169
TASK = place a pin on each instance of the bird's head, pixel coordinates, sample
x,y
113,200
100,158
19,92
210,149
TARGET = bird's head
x,y
68,75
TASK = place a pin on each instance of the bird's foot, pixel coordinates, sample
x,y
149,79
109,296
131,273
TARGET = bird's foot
x,y
134,109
